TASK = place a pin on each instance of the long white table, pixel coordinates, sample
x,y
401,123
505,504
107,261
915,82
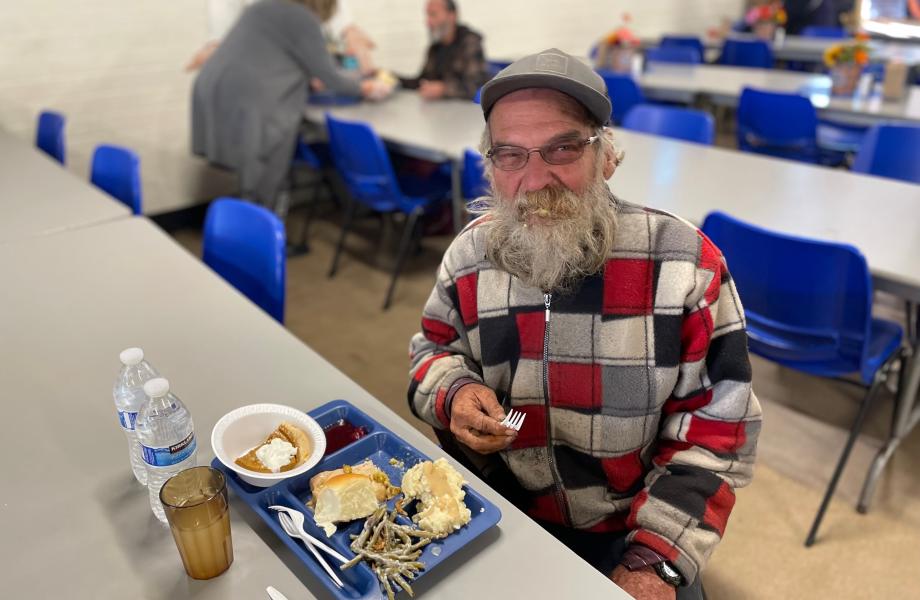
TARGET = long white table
x,y
879,216
75,523
39,196
723,85
811,49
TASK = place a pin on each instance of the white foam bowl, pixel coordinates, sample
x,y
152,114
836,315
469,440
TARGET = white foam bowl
x,y
241,430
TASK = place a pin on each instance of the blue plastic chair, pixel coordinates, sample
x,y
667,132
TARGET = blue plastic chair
x,y
821,31
746,53
760,128
683,41
673,122
117,171
493,67
472,182
624,94
312,157
244,243
49,135
798,135
674,54
891,151
808,306
362,162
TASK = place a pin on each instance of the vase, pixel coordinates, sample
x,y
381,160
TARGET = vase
x,y
764,30
845,78
618,59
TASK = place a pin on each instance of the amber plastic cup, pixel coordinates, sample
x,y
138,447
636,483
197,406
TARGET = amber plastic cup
x,y
195,501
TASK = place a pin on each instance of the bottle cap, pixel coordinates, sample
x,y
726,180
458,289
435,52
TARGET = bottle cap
x,y
156,387
131,356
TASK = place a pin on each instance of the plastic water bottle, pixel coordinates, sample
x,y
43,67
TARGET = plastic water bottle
x,y
167,437
129,397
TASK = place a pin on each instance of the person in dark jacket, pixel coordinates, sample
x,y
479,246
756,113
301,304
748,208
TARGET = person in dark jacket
x,y
249,97
455,65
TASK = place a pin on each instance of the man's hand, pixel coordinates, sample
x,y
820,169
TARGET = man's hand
x,y
432,90
475,418
643,584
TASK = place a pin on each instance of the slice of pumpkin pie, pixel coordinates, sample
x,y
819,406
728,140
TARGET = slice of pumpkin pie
x,y
283,449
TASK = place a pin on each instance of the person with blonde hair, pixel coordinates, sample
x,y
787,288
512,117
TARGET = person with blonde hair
x,y
248,98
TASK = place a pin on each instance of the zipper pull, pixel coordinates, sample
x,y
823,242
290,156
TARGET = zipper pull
x,y
547,298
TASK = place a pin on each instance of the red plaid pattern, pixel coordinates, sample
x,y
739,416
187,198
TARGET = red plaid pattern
x,y
631,429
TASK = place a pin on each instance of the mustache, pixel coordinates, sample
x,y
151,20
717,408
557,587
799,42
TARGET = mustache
x,y
550,203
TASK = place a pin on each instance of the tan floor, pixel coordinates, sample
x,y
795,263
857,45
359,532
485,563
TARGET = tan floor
x,y
762,556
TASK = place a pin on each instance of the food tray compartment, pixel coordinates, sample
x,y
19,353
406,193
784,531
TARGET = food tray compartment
x,y
380,445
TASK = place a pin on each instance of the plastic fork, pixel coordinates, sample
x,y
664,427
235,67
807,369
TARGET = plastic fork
x,y
288,525
297,519
514,419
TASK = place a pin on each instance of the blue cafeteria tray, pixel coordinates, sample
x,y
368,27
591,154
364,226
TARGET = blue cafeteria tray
x,y
380,445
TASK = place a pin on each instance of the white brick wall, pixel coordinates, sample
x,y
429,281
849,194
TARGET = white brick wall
x,y
115,68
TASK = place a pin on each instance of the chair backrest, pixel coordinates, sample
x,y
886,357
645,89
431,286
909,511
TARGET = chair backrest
x,y
746,53
683,41
822,31
674,54
117,171
493,67
679,123
472,182
805,301
362,161
245,244
777,124
49,135
890,151
624,94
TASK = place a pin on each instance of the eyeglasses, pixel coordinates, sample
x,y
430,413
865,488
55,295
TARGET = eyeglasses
x,y
513,158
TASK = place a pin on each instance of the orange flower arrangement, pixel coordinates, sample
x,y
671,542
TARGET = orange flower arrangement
x,y
773,12
856,51
622,36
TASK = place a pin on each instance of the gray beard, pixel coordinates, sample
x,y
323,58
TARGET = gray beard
x,y
570,239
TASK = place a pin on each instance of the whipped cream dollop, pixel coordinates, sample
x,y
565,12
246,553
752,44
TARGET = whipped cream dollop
x,y
276,454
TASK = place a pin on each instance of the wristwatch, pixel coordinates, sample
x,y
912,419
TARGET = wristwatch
x,y
668,573
638,556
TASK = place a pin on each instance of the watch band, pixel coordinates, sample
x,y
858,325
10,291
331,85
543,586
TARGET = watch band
x,y
638,557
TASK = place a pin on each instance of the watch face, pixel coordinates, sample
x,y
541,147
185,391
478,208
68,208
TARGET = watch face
x,y
668,573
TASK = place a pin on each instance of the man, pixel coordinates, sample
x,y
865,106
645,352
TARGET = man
x,y
616,328
455,66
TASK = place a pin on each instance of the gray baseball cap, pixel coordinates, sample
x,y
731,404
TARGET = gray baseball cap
x,y
552,69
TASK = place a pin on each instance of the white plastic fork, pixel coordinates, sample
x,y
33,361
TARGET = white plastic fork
x,y
288,525
297,520
514,419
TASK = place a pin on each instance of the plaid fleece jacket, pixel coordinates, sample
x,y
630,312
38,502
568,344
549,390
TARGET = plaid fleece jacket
x,y
637,386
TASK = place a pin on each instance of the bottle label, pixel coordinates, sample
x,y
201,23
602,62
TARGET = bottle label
x,y
172,455
127,419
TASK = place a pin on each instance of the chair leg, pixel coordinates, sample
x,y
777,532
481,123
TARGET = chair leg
x,y
346,225
308,217
845,455
898,422
404,245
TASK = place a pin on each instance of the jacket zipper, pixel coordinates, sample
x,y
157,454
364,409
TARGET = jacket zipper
x,y
557,480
